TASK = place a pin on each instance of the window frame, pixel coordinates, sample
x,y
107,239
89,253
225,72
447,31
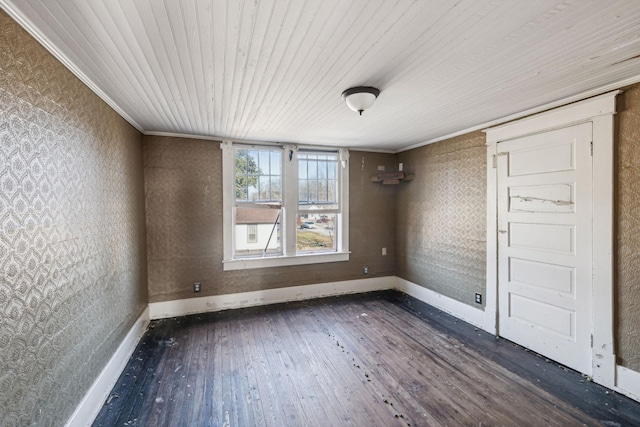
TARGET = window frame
x,y
290,209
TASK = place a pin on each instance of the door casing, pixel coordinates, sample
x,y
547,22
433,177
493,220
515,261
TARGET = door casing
x,y
599,111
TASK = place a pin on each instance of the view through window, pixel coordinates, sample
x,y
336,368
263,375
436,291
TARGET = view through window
x,y
317,201
284,205
258,207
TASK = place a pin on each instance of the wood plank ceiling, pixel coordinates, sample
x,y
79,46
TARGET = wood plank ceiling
x,y
274,70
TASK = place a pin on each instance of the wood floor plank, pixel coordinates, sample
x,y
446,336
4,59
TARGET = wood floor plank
x,y
466,391
361,402
170,379
336,373
144,385
262,391
192,368
302,381
608,407
280,368
311,344
380,359
218,374
381,396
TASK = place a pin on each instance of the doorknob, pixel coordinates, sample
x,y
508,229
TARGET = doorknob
x,y
502,231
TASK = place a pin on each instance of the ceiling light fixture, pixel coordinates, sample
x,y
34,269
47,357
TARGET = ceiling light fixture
x,y
360,98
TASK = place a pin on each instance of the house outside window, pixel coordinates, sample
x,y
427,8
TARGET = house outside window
x,y
284,205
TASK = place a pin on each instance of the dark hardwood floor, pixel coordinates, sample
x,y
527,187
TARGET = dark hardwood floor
x,y
379,359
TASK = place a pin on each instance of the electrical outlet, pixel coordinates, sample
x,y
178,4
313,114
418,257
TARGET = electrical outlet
x,y
197,286
400,166
365,270
384,251
381,168
478,298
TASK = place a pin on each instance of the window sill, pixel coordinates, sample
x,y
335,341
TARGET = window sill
x,y
248,263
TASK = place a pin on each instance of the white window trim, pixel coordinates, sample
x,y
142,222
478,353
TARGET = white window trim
x,y
289,207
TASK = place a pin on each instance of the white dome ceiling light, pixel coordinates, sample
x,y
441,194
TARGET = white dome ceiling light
x,y
360,98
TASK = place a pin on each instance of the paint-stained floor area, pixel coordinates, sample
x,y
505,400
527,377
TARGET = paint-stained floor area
x,y
377,359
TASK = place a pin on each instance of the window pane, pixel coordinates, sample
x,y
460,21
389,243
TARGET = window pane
x,y
319,185
316,233
313,169
322,170
276,188
302,169
253,189
313,191
322,191
276,158
264,188
332,172
303,190
332,190
258,175
257,232
264,162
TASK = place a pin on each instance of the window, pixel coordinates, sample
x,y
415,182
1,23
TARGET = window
x,y
252,233
317,201
258,201
284,205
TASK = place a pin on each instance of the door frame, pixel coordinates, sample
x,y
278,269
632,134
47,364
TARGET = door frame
x,y
599,111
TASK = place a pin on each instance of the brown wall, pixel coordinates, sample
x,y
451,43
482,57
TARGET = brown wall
x,y
184,224
628,229
441,217
72,233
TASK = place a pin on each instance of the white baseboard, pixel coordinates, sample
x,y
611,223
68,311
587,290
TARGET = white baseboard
x,y
628,382
161,310
93,401
456,308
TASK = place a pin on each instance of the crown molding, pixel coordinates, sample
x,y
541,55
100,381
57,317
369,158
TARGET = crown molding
x,y
14,12
561,102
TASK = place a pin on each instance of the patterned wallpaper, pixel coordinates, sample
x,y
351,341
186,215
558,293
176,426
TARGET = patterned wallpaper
x,y
72,233
184,224
628,229
441,217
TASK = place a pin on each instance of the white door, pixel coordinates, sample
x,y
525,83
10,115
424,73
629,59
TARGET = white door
x,y
545,244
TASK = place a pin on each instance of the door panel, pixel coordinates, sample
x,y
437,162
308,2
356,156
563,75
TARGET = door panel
x,y
550,157
542,237
554,319
545,243
545,276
